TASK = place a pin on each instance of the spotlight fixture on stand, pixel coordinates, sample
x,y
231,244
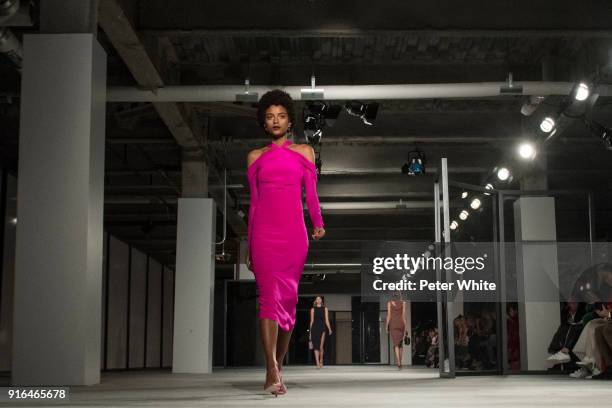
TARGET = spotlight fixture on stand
x,y
366,111
415,166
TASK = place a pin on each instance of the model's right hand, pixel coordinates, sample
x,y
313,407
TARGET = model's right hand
x,y
318,233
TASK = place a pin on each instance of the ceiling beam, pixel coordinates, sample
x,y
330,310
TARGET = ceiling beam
x,y
359,33
117,26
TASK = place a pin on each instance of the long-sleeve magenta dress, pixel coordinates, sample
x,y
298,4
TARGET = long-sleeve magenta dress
x,y
277,235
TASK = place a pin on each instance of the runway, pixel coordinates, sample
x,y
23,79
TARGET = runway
x,y
337,386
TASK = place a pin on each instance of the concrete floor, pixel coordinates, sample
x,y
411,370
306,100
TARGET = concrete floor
x,y
340,386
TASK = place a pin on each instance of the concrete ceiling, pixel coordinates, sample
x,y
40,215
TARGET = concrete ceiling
x,y
190,42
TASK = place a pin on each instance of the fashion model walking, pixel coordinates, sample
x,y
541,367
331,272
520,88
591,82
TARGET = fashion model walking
x,y
319,319
277,235
396,325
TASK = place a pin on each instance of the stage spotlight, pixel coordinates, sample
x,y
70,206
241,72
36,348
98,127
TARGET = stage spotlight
x,y
503,173
415,165
464,214
547,124
312,128
526,151
367,112
531,105
453,225
475,204
326,112
464,195
581,91
488,187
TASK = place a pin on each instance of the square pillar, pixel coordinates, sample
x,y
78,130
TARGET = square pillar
x,y
194,286
58,269
537,278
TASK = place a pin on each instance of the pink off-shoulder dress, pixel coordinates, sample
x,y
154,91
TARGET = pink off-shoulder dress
x,y
277,235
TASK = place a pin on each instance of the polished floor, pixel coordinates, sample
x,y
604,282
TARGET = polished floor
x,y
339,386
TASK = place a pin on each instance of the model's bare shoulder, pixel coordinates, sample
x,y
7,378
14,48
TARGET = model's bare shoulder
x,y
307,151
253,155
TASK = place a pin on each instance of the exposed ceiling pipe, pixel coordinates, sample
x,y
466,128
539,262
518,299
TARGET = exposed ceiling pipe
x,y
227,93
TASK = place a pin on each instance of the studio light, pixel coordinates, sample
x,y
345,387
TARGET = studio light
x,y
526,151
464,195
581,91
367,112
531,104
327,112
415,166
503,173
463,215
312,128
547,124
475,204
453,225
488,187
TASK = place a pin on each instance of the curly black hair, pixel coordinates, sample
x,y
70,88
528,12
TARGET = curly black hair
x,y
275,97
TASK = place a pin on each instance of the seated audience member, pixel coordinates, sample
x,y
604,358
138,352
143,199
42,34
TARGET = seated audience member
x,y
603,343
562,344
598,291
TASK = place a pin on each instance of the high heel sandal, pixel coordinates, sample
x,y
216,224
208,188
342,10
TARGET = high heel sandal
x,y
283,389
274,388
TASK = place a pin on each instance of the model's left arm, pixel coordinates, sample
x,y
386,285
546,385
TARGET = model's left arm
x,y
310,185
327,321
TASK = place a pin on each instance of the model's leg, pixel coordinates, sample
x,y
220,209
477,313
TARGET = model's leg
x,y
322,351
282,345
398,358
316,353
269,332
401,352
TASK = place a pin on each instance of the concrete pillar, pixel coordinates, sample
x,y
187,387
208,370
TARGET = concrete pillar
x,y
537,278
194,286
194,176
58,273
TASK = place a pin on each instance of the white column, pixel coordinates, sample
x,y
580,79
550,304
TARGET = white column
x,y
194,286
537,278
58,276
